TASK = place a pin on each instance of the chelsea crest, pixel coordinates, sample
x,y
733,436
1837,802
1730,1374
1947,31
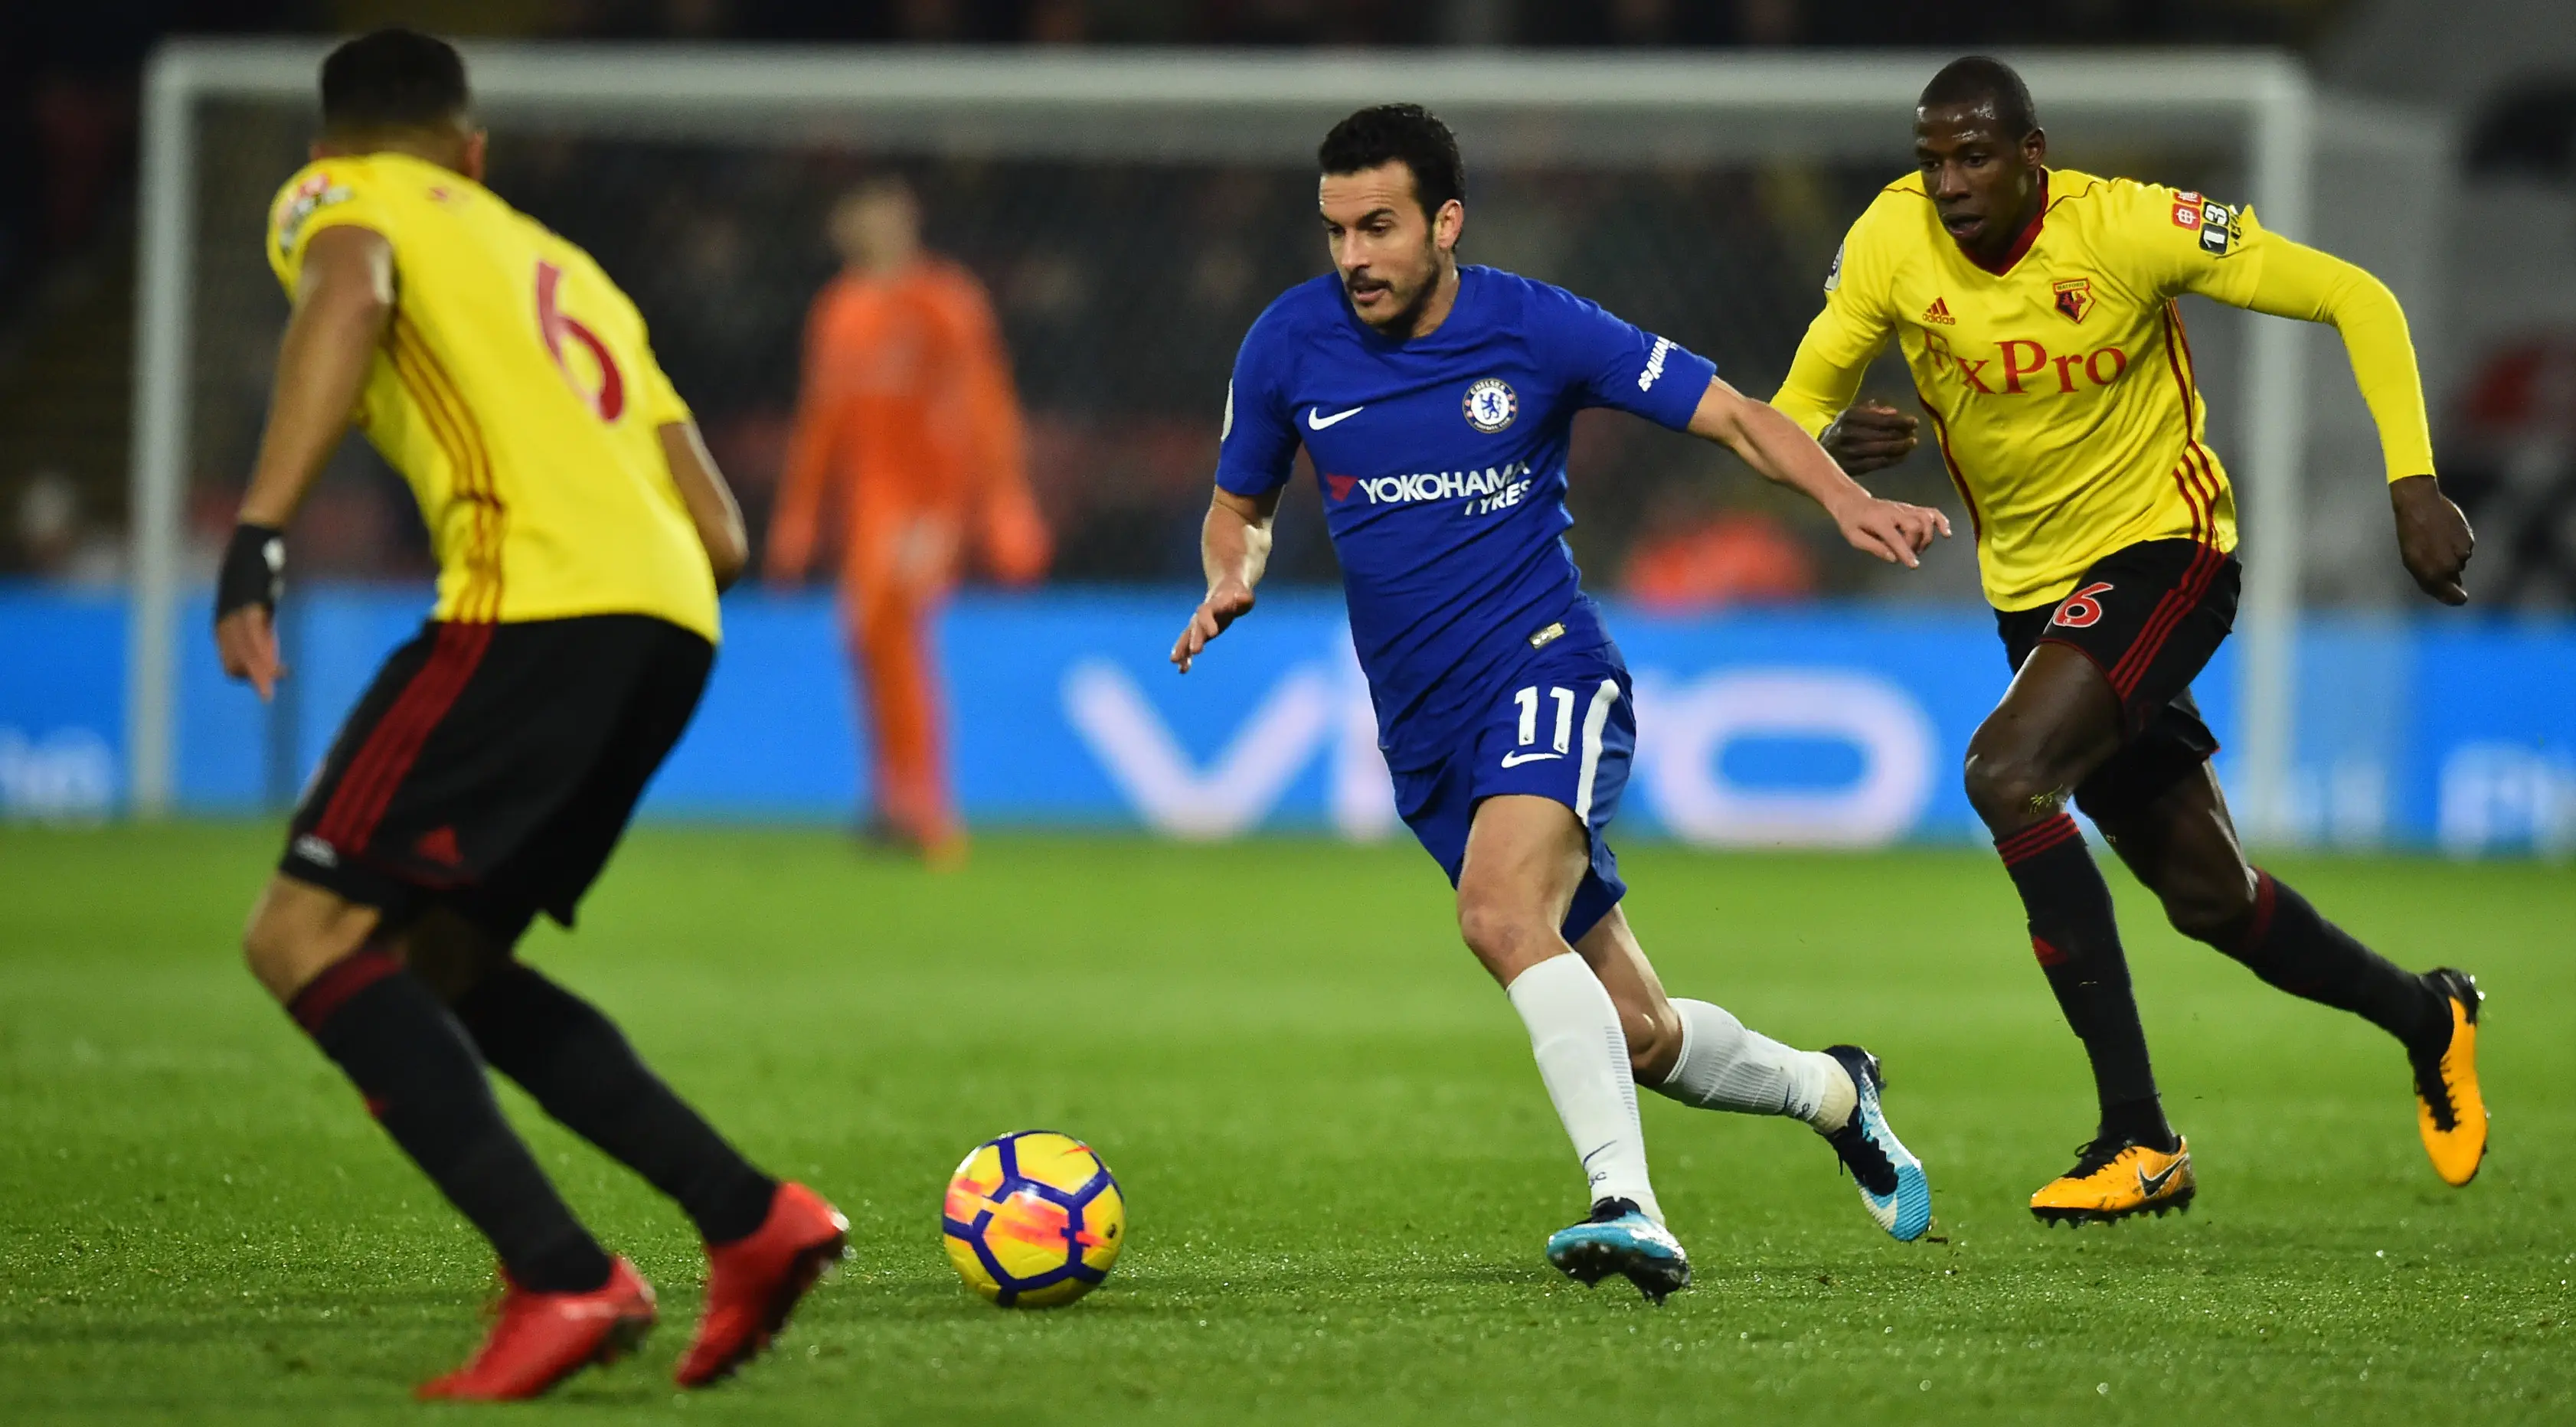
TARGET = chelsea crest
x,y
1491,405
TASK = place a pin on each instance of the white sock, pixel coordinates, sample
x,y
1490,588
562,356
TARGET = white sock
x,y
1583,1056
1724,1066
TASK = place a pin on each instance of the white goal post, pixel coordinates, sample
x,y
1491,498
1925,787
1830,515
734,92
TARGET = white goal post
x,y
1615,111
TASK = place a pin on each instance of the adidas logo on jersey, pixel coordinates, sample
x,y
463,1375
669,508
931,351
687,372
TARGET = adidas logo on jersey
x,y
1939,312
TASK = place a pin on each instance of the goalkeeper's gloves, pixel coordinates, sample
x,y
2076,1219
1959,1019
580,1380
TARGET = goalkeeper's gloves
x,y
254,570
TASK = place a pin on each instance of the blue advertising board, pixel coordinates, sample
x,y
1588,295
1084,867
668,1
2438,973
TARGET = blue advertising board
x,y
62,701
1814,726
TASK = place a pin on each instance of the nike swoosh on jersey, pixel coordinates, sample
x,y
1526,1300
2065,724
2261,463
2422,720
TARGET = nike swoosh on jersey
x,y
1316,420
1514,760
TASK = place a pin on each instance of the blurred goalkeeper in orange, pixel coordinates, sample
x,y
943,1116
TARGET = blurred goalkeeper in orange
x,y
908,423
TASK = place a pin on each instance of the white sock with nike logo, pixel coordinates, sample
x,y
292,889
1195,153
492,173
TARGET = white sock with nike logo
x,y
1583,1056
1724,1066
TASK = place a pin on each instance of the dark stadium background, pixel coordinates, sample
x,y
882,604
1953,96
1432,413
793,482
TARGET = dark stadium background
x,y
1121,446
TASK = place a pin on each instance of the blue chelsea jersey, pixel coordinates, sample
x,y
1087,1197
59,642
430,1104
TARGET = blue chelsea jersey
x,y
1442,461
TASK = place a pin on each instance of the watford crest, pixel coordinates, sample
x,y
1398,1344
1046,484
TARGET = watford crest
x,y
2074,297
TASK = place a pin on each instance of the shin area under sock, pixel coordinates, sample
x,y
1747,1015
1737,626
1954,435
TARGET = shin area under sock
x,y
2284,941
576,1064
1725,1066
2077,941
412,1061
1583,1057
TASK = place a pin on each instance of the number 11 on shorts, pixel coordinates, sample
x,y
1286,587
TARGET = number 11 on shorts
x,y
1528,699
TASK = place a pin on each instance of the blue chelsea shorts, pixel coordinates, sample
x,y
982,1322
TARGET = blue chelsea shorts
x,y
1563,728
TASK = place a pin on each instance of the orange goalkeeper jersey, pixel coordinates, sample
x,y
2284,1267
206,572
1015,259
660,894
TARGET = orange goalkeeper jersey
x,y
907,412
2060,384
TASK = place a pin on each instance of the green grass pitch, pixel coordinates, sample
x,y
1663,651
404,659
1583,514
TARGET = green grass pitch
x,y
1340,1161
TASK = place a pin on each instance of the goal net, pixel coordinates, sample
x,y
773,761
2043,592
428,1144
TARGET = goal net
x,y
1131,213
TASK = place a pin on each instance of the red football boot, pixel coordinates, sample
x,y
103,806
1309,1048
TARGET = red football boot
x,y
543,1338
754,1282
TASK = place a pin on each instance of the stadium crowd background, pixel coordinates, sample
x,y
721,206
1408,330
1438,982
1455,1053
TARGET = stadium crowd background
x,y
1123,394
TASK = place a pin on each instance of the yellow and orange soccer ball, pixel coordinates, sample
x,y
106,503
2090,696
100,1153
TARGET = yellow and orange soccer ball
x,y
1033,1219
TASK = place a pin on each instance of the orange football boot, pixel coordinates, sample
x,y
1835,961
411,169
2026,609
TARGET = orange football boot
x,y
2113,1179
543,1338
2449,1111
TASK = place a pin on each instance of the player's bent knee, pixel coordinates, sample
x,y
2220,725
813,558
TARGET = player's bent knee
x,y
297,931
280,959
2006,786
1483,925
1507,939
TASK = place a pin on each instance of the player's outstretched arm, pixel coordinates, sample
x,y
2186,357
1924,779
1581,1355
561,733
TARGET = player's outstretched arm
x,y
344,298
710,501
2290,279
1234,546
1778,449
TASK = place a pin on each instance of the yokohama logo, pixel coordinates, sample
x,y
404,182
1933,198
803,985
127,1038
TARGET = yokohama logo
x,y
1443,485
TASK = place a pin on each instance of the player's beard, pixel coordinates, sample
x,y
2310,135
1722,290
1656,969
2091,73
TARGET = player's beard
x,y
1400,325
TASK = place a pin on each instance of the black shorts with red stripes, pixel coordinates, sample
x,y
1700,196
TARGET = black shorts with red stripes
x,y
493,767
2149,616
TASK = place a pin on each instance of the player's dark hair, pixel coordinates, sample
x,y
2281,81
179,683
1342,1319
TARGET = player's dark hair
x,y
393,79
1980,81
881,183
1405,133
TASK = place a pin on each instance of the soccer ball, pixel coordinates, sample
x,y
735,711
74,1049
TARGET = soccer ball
x,y
1033,1219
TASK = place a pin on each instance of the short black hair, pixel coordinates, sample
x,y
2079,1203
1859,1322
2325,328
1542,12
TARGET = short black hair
x,y
393,79
1406,133
1981,80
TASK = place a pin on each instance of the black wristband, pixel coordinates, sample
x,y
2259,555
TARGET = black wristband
x,y
254,570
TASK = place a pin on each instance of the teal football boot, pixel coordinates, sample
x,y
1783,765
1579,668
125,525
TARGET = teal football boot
x,y
1892,1186
1620,1239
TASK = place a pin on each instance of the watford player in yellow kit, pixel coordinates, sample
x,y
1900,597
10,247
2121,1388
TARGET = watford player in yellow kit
x,y
2035,308
581,534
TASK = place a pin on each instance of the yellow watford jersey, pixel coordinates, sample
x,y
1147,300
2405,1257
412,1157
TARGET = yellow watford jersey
x,y
517,393
2059,385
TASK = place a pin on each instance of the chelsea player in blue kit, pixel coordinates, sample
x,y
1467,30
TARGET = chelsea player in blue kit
x,y
1435,400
